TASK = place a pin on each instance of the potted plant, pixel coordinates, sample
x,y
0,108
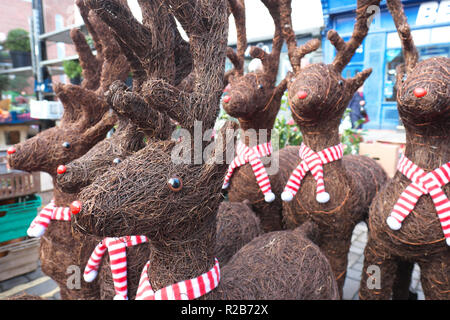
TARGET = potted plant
x,y
73,70
18,44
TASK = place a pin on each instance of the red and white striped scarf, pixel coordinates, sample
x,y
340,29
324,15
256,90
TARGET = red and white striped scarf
x,y
118,262
44,217
183,290
422,183
312,161
252,156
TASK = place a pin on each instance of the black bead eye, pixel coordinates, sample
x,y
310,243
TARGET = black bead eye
x,y
117,161
340,82
175,184
260,86
66,145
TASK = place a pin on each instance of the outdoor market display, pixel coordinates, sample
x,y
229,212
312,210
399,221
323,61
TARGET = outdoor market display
x,y
255,100
84,123
333,190
160,211
175,204
409,219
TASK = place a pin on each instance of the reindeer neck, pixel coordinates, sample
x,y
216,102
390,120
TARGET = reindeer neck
x,y
428,150
62,199
172,261
319,139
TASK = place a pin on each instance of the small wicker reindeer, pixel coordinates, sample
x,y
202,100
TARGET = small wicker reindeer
x,y
175,203
128,139
85,122
409,219
338,192
255,101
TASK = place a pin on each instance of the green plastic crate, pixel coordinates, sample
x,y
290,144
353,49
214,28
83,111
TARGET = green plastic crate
x,y
16,218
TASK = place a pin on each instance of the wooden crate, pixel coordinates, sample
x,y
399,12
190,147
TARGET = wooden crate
x,y
16,183
19,183
19,258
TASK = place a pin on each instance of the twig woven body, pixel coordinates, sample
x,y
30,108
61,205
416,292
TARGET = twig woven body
x,y
423,97
318,96
175,203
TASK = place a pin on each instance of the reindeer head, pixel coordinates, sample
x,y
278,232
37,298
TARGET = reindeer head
x,y
81,128
148,192
254,95
318,94
86,119
424,94
423,91
109,152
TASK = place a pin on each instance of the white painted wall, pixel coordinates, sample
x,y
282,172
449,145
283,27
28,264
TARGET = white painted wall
x,y
306,15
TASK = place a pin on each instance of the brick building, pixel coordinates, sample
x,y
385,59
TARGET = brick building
x,y
58,14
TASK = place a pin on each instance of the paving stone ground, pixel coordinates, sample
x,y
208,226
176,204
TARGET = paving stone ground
x,y
37,283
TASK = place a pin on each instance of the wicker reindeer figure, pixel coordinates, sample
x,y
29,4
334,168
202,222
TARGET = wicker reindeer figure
x,y
174,203
332,190
409,219
255,101
85,122
236,223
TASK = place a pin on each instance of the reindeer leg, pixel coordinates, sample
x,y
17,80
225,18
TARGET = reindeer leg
x,y
378,275
336,251
403,282
435,276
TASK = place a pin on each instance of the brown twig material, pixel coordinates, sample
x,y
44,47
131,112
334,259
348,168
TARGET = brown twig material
x,y
135,196
427,125
85,122
351,182
255,100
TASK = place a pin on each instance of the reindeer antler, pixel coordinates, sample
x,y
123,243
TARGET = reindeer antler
x,y
271,61
295,53
345,50
410,52
237,8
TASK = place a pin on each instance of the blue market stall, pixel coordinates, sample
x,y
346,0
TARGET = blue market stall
x,y
381,50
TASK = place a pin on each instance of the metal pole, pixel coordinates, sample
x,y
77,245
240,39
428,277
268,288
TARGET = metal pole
x,y
39,46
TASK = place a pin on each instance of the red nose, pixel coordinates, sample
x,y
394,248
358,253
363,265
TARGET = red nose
x,y
11,150
226,99
75,207
61,169
302,94
420,92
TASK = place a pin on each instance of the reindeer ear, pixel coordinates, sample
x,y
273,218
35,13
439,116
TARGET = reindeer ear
x,y
359,79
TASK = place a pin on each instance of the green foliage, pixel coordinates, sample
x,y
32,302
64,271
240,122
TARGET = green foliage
x,y
72,68
4,83
18,83
18,40
351,138
287,131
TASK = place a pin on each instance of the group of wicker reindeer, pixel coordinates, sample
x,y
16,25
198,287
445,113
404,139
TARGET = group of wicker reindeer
x,y
166,228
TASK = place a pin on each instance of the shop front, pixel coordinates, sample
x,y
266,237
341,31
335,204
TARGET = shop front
x,y
381,50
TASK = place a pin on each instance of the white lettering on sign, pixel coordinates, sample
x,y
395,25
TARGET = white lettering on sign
x,y
433,12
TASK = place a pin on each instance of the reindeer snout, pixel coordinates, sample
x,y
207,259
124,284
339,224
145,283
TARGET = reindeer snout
x,y
61,169
75,207
11,150
420,92
226,99
302,94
